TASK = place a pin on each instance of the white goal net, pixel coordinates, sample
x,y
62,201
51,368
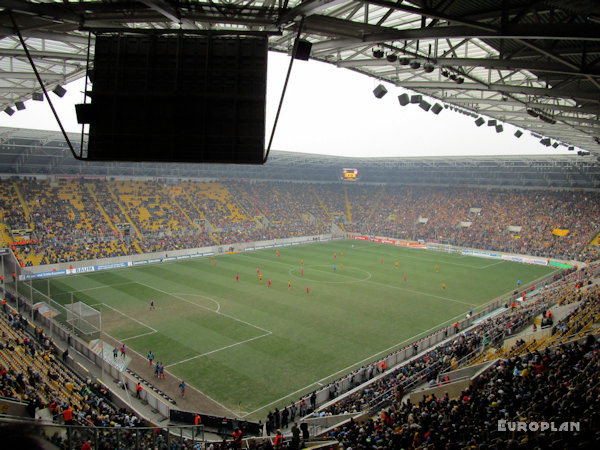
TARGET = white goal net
x,y
84,318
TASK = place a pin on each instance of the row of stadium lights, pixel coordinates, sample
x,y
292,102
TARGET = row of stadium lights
x,y
428,67
37,96
404,100
415,64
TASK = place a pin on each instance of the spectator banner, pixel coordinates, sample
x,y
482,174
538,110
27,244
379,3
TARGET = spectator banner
x,y
390,241
31,276
560,232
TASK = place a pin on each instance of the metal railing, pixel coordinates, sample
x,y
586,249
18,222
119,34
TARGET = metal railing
x,y
72,437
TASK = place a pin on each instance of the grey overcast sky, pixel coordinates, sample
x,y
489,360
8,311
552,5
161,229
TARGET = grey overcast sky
x,y
328,110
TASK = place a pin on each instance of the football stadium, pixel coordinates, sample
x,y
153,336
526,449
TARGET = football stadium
x,y
171,281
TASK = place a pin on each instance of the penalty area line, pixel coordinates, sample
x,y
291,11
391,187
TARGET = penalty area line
x,y
219,349
129,317
206,308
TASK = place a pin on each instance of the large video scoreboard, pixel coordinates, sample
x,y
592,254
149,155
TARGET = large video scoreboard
x,y
349,174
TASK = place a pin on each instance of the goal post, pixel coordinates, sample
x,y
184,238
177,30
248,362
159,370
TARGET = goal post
x,y
84,318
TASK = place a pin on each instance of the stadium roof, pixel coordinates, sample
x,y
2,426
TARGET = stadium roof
x,y
533,64
35,152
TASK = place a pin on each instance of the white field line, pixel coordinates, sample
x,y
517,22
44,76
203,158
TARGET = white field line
x,y
204,307
380,284
361,362
138,336
128,316
131,318
191,387
265,331
218,350
421,293
370,249
106,286
203,296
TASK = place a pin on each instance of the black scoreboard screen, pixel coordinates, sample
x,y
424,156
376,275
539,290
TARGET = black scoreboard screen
x,y
349,174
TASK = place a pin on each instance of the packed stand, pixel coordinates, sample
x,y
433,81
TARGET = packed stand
x,y
83,219
557,387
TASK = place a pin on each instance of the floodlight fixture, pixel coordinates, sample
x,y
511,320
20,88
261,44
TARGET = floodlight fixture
x,y
460,80
59,90
415,99
555,145
532,112
437,108
20,106
545,141
37,96
378,53
518,134
405,61
499,128
415,65
571,148
428,68
391,57
491,123
404,99
424,105
8,110
480,121
379,91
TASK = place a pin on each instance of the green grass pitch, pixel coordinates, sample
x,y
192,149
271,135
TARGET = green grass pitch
x,y
257,346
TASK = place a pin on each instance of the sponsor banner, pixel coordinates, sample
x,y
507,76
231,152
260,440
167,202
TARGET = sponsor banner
x,y
268,246
258,248
31,276
150,261
139,263
416,245
512,258
248,249
81,270
540,262
197,255
484,255
113,266
295,243
170,258
183,256
360,238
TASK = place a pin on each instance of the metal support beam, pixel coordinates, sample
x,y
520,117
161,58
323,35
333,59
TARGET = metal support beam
x,y
526,90
488,63
308,8
170,13
31,76
42,54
